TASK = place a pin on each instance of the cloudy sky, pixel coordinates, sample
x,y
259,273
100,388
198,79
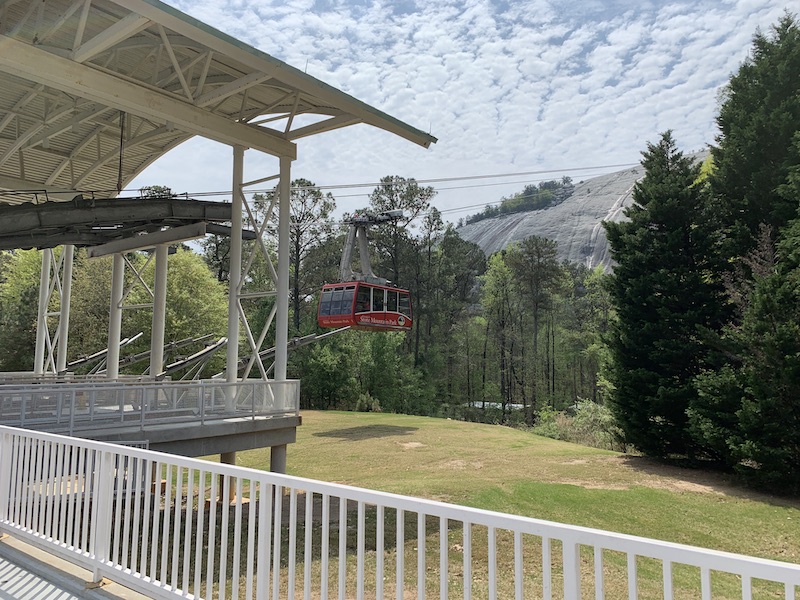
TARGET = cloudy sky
x,y
536,88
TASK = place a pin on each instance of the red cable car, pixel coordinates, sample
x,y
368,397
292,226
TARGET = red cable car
x,y
365,306
364,300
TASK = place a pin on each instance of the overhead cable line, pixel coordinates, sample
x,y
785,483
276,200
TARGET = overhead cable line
x,y
355,185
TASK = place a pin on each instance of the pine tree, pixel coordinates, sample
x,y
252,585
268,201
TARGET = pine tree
x,y
744,413
749,410
662,291
758,120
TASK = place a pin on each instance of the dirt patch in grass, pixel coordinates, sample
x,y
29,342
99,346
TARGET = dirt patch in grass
x,y
410,445
675,478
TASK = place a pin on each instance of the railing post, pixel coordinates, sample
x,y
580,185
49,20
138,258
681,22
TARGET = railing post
x,y
572,570
203,401
6,451
102,504
144,400
72,413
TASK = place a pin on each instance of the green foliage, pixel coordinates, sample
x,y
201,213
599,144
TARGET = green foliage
x,y
663,290
750,409
394,246
19,299
758,122
683,382
91,293
310,221
746,410
586,423
358,371
532,197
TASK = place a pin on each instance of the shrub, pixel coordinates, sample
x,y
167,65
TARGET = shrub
x,y
591,424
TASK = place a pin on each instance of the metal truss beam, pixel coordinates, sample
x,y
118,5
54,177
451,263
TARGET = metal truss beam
x,y
172,235
37,65
55,281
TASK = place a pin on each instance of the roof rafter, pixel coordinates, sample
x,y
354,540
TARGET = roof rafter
x,y
75,152
114,154
71,69
290,76
58,128
61,21
130,25
30,95
32,63
32,131
326,125
231,88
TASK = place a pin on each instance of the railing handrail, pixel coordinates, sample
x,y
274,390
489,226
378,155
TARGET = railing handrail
x,y
148,383
571,536
70,406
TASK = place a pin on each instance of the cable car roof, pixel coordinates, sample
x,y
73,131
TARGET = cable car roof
x,y
81,78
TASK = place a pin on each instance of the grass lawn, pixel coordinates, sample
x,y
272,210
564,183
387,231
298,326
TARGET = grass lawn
x,y
508,470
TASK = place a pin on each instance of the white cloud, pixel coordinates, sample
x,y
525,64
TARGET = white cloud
x,y
505,86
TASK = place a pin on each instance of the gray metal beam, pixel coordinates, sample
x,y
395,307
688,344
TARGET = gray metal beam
x,y
173,235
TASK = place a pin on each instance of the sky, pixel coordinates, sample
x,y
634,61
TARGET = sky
x,y
529,89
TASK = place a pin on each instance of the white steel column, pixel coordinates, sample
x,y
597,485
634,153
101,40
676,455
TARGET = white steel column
x,y
159,311
235,268
278,453
115,317
66,299
41,321
234,277
282,301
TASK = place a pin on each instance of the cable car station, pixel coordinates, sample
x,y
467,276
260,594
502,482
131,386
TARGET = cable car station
x,y
92,92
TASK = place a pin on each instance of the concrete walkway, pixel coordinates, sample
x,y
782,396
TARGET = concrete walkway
x,y
27,573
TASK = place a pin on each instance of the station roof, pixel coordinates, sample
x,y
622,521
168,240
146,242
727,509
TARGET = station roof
x,y
94,91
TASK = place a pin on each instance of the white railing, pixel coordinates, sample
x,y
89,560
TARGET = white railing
x,y
178,527
69,407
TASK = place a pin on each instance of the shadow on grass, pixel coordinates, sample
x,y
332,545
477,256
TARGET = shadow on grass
x,y
687,476
366,432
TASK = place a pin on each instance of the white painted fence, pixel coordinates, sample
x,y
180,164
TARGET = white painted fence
x,y
67,407
156,523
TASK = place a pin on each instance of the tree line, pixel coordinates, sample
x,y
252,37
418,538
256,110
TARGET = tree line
x,y
532,197
693,341
705,346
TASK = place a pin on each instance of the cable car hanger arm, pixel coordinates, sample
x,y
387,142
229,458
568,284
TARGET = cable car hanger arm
x,y
357,234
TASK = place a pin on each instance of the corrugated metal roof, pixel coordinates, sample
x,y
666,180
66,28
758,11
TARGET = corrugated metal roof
x,y
80,79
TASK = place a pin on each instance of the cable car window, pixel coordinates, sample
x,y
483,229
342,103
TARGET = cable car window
x,y
405,304
325,303
391,301
336,301
377,300
347,301
363,299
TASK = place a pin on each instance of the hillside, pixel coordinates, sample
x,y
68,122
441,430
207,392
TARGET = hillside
x,y
505,469
575,224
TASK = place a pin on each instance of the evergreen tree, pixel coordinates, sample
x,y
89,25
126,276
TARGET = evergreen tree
x,y
748,410
756,424
744,413
758,119
662,292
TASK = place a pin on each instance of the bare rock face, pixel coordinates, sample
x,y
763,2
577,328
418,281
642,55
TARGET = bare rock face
x,y
575,224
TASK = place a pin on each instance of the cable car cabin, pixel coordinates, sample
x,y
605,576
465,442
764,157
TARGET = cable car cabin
x,y
365,306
